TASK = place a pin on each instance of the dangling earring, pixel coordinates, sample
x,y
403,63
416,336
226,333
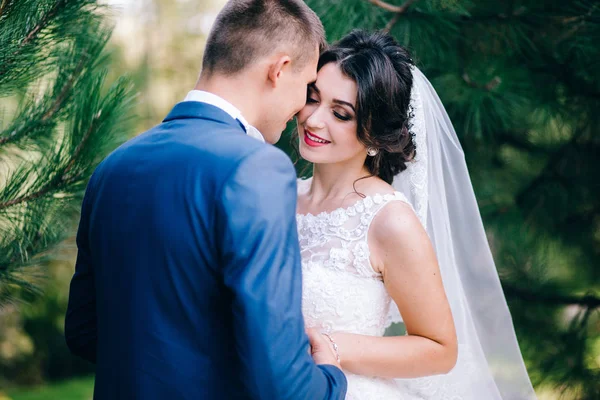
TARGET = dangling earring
x,y
371,151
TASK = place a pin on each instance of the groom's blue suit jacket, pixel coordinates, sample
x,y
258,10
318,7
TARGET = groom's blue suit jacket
x,y
188,279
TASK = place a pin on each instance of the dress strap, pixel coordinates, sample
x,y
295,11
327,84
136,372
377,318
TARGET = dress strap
x,y
375,203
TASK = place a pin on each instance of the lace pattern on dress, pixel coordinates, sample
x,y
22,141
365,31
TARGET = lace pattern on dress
x,y
341,292
338,239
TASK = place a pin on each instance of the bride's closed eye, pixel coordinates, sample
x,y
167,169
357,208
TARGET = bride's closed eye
x,y
342,117
311,98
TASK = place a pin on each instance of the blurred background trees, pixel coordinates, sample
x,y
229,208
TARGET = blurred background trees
x,y
520,80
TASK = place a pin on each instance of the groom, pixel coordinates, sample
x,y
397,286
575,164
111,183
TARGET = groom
x,y
187,283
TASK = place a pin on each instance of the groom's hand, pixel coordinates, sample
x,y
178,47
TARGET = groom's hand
x,y
320,348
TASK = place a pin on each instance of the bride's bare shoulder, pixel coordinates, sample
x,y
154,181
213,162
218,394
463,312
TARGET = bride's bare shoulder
x,y
395,232
394,222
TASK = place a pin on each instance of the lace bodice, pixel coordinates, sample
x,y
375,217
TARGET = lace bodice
x,y
341,291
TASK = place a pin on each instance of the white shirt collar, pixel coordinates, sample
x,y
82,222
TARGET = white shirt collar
x,y
219,102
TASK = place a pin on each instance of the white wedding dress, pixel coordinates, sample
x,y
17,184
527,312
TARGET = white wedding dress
x,y
341,291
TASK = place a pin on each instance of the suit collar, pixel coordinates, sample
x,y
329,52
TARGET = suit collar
x,y
198,110
217,101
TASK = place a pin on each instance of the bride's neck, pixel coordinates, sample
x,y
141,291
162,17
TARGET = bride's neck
x,y
336,181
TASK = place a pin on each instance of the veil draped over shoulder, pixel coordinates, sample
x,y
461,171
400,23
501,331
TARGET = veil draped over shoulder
x,y
437,183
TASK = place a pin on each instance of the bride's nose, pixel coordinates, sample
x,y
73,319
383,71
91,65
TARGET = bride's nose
x,y
315,120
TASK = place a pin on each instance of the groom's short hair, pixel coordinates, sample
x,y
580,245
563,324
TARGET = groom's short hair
x,y
246,30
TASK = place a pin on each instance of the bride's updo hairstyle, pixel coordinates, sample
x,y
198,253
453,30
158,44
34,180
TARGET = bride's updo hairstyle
x,y
381,69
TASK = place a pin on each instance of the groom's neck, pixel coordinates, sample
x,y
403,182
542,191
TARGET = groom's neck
x,y
239,91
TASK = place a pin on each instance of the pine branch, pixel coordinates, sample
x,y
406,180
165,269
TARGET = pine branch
x,y
589,301
397,10
33,196
42,23
580,20
3,6
391,7
520,12
80,147
60,181
65,90
54,185
54,108
388,27
488,87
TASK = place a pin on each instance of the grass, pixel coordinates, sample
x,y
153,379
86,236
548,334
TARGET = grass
x,y
74,389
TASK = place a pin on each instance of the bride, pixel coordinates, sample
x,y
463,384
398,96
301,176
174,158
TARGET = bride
x,y
390,231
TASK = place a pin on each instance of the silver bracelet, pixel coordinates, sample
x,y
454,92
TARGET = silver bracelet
x,y
335,346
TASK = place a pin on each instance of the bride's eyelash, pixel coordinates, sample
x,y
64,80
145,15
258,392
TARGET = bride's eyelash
x,y
342,117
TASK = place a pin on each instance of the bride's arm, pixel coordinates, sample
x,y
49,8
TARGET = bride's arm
x,y
402,251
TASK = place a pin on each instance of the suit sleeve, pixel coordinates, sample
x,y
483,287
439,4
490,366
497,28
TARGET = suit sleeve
x,y
80,321
261,267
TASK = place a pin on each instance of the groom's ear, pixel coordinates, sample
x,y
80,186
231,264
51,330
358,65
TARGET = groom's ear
x,y
278,67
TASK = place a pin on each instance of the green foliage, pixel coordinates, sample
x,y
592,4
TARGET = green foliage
x,y
75,389
58,118
521,82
